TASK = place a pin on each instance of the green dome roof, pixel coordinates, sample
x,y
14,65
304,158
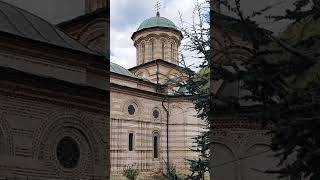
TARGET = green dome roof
x,y
157,22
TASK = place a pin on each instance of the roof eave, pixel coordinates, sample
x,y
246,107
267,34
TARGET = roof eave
x,y
141,30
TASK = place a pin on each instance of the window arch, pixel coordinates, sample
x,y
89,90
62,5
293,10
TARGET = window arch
x,y
155,144
131,108
156,114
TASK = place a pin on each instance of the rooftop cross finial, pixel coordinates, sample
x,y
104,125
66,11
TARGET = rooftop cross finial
x,y
158,8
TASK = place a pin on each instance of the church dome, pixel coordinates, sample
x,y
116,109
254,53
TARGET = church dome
x,y
157,22
18,22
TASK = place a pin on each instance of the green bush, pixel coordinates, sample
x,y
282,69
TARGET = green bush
x,y
130,171
170,173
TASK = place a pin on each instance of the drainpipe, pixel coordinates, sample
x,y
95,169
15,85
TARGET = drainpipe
x,y
167,131
167,112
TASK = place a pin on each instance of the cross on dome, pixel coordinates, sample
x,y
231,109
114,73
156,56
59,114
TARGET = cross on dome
x,y
158,5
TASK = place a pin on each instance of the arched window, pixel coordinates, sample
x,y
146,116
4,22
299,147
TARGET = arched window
x,y
171,51
143,52
162,50
130,141
152,50
156,143
138,54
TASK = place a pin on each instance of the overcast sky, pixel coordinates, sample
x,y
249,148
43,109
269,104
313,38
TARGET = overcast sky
x,y
127,15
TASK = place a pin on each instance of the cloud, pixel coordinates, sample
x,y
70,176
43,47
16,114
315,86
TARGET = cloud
x,y
126,16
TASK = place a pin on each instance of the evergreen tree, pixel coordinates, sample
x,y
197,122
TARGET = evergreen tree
x,y
197,84
282,76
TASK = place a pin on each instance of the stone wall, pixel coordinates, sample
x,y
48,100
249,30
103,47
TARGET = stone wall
x,y
35,118
165,45
52,97
91,30
183,126
164,72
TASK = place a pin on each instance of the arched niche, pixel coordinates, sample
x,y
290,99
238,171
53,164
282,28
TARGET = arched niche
x,y
69,123
94,35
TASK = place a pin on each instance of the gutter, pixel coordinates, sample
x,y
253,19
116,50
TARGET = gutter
x,y
163,106
167,131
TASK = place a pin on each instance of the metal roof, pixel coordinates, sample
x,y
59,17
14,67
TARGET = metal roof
x,y
115,68
157,22
22,23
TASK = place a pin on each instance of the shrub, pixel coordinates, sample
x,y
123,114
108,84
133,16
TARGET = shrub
x,y
130,171
170,173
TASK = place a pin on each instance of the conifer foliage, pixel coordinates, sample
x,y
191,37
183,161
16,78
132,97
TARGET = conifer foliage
x,y
282,76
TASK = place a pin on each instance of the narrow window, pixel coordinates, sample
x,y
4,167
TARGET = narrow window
x,y
172,52
155,145
138,54
152,51
143,53
162,50
130,141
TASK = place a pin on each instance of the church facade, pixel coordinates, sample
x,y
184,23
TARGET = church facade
x,y
150,123
54,101
56,95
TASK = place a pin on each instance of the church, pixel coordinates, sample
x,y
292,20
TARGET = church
x,y
151,124
54,99
64,115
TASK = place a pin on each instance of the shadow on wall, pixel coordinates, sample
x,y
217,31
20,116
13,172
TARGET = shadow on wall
x,y
248,166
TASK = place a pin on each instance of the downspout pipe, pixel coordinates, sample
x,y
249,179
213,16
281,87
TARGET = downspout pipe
x,y
168,163
167,112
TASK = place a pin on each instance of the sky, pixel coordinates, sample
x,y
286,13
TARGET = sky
x,y
127,15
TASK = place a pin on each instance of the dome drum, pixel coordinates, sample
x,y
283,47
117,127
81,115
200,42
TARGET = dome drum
x,y
157,38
